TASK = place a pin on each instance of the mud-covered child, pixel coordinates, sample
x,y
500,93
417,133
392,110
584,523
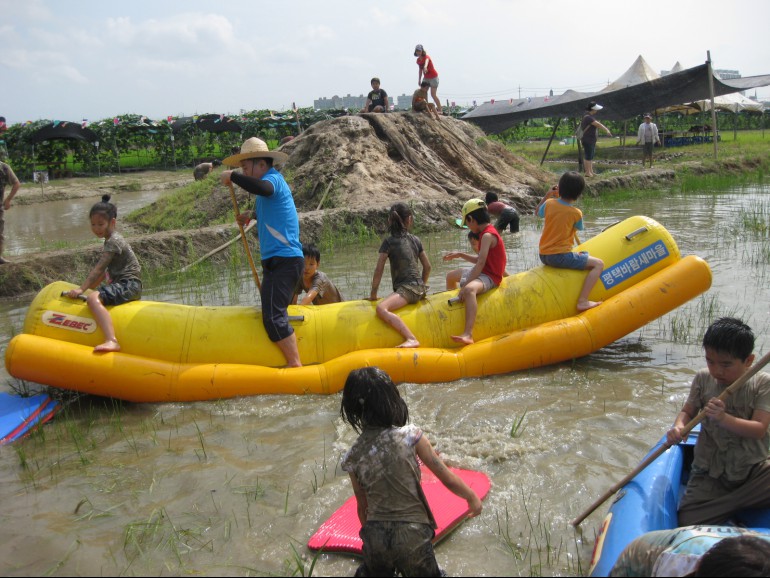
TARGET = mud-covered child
x,y
397,525
319,288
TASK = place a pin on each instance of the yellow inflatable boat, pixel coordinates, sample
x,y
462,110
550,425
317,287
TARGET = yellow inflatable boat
x,y
175,352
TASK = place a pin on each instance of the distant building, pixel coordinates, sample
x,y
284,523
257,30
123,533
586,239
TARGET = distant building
x,y
721,73
727,74
336,102
403,102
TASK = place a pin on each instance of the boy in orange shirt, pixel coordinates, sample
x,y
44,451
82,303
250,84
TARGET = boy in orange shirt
x,y
562,222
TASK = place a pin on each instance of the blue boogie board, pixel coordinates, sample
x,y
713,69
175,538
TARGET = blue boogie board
x,y
19,415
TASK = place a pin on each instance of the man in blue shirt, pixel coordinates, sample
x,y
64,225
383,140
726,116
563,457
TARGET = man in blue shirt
x,y
278,229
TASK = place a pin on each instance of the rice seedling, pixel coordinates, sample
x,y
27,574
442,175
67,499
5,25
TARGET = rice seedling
x,y
534,548
202,443
91,512
60,564
517,428
297,565
160,534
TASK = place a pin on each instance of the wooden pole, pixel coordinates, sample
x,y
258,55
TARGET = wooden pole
x,y
243,238
693,422
713,108
556,126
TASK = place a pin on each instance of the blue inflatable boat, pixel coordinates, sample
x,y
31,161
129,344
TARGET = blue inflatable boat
x,y
649,502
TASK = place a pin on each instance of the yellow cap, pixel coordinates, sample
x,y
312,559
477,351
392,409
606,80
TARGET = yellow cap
x,y
471,206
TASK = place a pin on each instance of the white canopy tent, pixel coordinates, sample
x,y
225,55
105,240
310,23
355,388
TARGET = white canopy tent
x,y
637,73
731,103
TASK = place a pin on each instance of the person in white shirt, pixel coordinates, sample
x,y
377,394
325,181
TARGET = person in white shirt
x,y
648,136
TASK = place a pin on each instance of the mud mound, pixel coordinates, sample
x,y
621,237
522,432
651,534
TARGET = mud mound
x,y
374,160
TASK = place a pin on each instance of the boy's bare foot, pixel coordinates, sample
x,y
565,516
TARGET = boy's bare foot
x,y
409,343
464,339
107,346
588,305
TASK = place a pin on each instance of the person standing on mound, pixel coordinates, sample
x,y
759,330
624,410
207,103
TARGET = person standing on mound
x,y
427,72
278,228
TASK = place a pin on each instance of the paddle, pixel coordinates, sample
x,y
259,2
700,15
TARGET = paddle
x,y
691,424
243,238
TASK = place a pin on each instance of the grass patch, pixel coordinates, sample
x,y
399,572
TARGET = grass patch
x,y
181,209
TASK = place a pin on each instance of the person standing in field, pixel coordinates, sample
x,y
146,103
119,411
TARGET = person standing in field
x,y
427,72
202,170
648,137
7,177
589,126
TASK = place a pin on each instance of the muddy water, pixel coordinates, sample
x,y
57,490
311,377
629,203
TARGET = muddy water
x,y
235,486
56,224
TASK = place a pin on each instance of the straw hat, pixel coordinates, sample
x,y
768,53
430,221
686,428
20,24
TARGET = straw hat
x,y
255,148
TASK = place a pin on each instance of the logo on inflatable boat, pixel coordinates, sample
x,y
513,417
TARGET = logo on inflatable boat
x,y
637,262
70,322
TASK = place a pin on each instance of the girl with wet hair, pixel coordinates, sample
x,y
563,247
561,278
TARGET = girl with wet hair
x,y
405,253
397,525
117,266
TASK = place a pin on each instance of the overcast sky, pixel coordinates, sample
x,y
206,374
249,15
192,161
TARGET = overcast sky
x,y
95,59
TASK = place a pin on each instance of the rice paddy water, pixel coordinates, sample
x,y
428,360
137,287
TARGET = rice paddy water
x,y
237,486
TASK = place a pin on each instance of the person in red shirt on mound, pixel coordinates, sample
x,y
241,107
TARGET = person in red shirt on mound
x,y
427,72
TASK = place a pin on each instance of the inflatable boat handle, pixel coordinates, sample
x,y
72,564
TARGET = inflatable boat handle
x,y
81,296
635,233
453,300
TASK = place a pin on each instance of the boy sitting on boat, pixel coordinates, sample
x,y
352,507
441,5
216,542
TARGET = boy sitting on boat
x,y
562,222
320,289
489,269
731,467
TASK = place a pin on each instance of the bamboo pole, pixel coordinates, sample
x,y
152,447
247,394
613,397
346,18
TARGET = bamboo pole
x,y
243,238
550,140
713,107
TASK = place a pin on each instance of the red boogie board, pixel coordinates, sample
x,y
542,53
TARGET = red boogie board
x,y
340,532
